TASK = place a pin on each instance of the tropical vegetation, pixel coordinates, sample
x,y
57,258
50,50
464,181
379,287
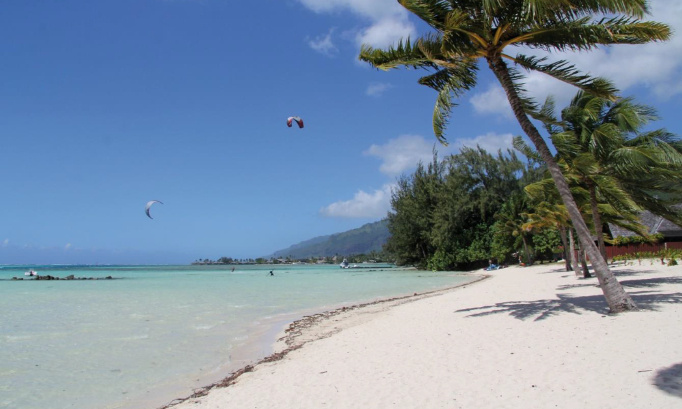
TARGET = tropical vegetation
x,y
459,212
467,31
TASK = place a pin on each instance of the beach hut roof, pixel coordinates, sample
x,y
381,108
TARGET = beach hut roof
x,y
654,223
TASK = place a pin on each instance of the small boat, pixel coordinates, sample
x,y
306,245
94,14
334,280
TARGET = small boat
x,y
344,264
31,273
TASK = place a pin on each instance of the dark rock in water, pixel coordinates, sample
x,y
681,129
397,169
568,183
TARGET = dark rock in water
x,y
70,277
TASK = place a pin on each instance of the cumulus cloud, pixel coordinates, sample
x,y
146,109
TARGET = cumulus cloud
x,y
374,9
492,101
491,142
385,32
324,44
402,153
362,205
376,89
386,20
398,156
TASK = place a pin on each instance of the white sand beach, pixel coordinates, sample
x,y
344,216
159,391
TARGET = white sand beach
x,y
533,337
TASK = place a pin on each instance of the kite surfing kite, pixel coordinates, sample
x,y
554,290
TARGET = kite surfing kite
x,y
149,206
298,120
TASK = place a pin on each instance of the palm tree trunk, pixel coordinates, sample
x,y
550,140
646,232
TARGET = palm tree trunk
x,y
616,297
596,218
564,241
525,249
583,264
574,258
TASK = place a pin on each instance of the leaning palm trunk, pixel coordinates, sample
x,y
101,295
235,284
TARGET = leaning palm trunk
x,y
596,218
616,297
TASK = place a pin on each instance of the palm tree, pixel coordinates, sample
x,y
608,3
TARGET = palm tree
x,y
469,30
511,221
599,142
549,215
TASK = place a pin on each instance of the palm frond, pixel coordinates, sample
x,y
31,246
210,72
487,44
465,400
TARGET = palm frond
x,y
635,8
584,34
450,83
520,145
441,113
567,73
432,12
566,143
404,54
612,192
655,138
629,116
547,116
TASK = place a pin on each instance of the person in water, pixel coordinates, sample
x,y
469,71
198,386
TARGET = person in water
x,y
271,273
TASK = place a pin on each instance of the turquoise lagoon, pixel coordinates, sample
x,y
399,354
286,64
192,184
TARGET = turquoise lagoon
x,y
155,333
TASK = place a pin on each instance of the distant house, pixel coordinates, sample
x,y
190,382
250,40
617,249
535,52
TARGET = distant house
x,y
672,235
655,224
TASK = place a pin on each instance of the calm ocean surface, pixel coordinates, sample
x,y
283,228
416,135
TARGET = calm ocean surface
x,y
154,333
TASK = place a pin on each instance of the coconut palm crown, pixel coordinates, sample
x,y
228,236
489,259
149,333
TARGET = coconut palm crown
x,y
469,31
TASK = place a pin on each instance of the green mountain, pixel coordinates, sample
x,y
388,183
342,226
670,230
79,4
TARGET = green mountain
x,y
363,240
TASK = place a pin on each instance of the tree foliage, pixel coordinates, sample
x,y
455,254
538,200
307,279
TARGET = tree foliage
x,y
443,215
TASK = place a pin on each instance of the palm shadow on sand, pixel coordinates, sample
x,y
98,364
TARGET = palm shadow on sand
x,y
669,380
630,283
538,310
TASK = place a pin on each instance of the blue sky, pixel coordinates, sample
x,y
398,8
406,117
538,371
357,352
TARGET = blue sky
x,y
105,105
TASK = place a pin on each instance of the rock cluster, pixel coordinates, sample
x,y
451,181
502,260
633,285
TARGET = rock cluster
x,y
69,277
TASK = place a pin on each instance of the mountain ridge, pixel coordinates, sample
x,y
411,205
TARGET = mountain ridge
x,y
362,240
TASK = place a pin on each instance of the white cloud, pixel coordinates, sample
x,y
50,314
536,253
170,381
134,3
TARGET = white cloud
x,y
386,20
491,142
385,32
402,153
68,246
399,155
492,101
5,243
324,44
373,9
376,89
363,205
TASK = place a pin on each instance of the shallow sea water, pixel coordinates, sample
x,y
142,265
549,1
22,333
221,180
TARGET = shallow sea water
x,y
154,333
